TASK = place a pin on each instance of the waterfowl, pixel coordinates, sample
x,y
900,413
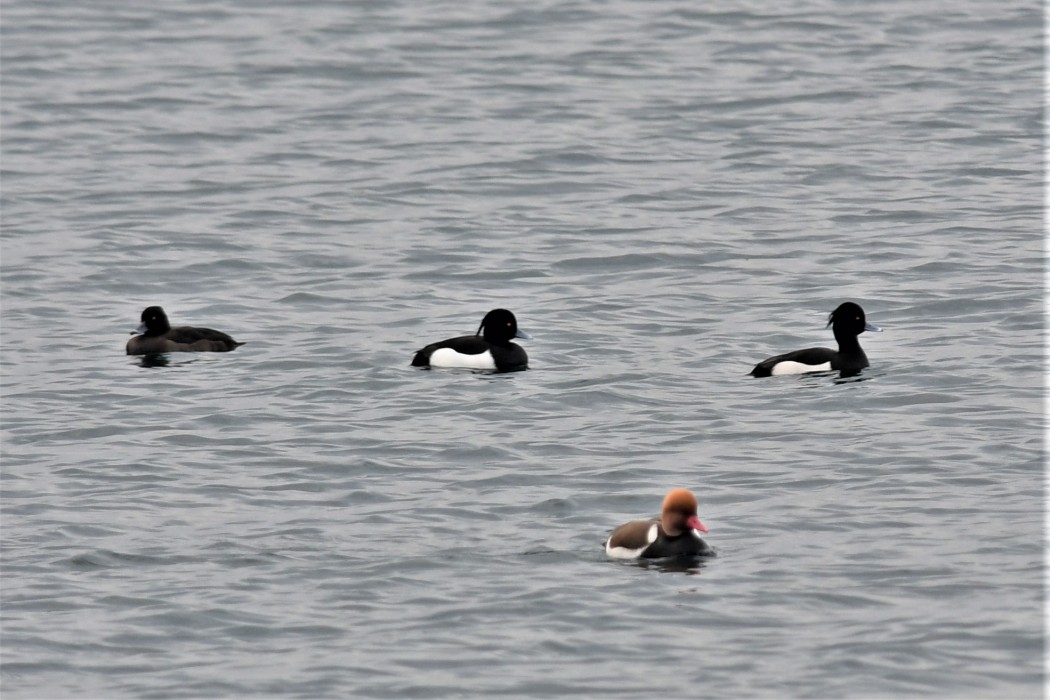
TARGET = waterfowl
x,y
847,322
155,335
675,533
488,350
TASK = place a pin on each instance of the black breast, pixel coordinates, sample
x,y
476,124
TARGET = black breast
x,y
685,545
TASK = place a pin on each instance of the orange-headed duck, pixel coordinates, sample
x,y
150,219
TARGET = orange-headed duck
x,y
674,534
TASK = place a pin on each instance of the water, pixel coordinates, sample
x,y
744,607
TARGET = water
x,y
664,193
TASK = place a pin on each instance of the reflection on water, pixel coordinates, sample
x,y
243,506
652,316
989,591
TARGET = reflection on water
x,y
162,360
154,360
675,565
852,379
836,377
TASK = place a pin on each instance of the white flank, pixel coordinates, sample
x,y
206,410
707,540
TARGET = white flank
x,y
790,367
447,357
624,553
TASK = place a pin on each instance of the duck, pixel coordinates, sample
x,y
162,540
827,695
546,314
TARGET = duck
x,y
488,350
155,335
674,534
847,322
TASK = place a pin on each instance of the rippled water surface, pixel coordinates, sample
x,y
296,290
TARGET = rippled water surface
x,y
665,193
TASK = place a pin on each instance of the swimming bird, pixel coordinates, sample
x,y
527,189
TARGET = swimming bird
x,y
675,533
155,335
847,322
491,350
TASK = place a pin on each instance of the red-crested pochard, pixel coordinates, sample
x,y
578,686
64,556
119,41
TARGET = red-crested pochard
x,y
674,534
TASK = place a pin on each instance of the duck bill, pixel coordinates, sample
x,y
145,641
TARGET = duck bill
x,y
694,522
140,330
871,328
523,335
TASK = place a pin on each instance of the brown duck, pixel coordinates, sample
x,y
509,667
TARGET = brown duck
x,y
155,335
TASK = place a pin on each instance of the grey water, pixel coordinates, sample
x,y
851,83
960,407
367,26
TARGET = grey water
x,y
664,193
